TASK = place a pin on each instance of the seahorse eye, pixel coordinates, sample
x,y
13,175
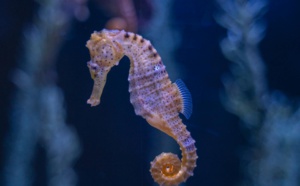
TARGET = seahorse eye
x,y
94,68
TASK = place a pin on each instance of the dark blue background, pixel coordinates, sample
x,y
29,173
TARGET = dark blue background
x,y
116,142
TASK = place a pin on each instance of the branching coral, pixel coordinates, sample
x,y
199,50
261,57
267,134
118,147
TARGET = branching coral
x,y
247,87
269,119
37,111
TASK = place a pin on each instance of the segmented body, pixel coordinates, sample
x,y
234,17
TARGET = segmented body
x,y
152,94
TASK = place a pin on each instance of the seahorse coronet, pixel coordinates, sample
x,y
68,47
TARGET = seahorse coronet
x,y
152,94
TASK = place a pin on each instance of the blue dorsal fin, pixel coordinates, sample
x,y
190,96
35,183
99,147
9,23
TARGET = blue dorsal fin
x,y
187,104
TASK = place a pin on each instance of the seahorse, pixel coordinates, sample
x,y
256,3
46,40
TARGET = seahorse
x,y
152,94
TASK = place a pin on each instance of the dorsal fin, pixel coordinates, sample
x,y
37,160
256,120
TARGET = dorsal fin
x,y
187,105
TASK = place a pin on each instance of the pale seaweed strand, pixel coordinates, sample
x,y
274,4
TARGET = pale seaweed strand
x,y
37,113
271,122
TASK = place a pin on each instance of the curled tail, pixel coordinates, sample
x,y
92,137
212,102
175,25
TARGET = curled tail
x,y
166,168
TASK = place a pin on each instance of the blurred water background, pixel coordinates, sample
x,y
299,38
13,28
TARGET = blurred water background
x,y
240,60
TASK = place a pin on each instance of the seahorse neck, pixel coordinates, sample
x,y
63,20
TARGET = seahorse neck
x,y
135,47
134,53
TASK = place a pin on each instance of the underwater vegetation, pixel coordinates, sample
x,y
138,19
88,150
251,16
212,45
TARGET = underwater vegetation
x,y
269,119
38,115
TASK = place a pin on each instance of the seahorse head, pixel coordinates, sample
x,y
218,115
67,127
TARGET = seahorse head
x,y
105,53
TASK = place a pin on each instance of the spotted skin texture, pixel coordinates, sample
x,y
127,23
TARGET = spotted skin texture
x,y
152,94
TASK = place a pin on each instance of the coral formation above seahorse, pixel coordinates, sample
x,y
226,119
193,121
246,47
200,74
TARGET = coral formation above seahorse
x,y
152,94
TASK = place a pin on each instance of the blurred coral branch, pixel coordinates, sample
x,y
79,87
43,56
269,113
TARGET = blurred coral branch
x,y
38,114
247,88
270,120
